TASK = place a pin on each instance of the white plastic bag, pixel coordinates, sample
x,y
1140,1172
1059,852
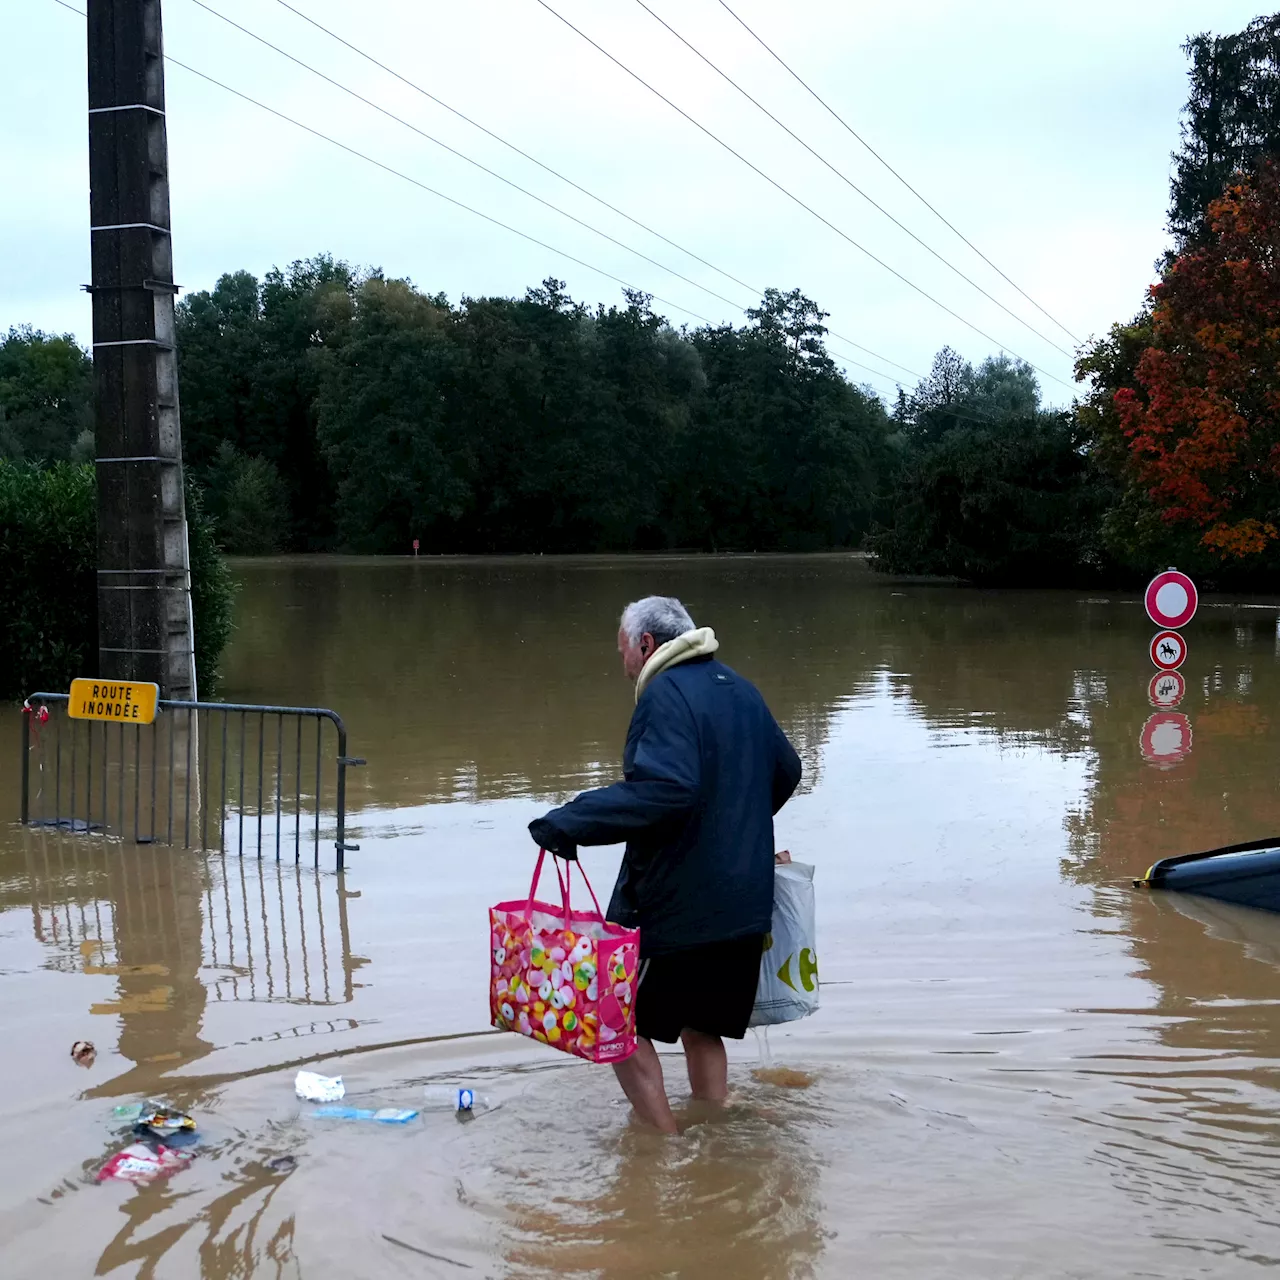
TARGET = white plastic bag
x,y
789,967
319,1088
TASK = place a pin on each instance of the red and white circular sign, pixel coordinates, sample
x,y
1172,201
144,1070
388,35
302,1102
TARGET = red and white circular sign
x,y
1171,599
1166,738
1167,689
1168,650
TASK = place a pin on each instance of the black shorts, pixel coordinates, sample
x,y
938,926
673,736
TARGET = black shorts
x,y
711,988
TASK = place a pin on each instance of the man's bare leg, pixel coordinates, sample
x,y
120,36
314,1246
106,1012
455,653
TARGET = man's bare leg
x,y
708,1065
641,1079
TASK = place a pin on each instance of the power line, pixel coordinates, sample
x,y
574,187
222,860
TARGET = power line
x,y
493,173
511,146
867,350
795,198
440,102
324,137
515,186
854,133
515,231
853,186
496,222
555,173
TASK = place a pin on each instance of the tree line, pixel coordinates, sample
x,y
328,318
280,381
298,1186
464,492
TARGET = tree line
x,y
326,408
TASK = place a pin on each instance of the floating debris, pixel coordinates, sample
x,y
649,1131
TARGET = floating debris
x,y
316,1088
140,1163
163,1121
384,1115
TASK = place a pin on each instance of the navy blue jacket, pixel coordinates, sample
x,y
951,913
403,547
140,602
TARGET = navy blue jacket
x,y
706,767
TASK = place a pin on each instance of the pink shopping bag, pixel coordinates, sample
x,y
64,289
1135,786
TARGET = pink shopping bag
x,y
565,977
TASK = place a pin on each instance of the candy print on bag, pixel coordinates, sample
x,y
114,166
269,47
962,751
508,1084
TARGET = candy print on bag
x,y
562,977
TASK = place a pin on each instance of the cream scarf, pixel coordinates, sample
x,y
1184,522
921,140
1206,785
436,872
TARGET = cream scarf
x,y
701,642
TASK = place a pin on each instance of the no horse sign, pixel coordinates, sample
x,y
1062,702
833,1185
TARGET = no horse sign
x,y
1168,650
1171,599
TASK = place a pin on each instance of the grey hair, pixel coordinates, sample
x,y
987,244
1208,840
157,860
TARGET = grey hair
x,y
663,617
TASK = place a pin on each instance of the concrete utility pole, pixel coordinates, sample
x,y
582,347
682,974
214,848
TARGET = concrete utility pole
x,y
145,630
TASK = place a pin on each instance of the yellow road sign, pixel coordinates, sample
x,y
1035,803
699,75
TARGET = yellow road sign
x,y
129,701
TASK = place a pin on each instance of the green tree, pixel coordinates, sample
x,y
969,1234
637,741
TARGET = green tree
x,y
533,423
384,417
784,449
248,361
1230,122
48,580
46,397
213,594
248,501
990,487
48,576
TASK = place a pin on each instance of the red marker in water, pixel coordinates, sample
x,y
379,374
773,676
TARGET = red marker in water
x,y
415,546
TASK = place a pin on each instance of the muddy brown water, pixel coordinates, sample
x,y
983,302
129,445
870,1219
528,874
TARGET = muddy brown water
x,y
1021,1067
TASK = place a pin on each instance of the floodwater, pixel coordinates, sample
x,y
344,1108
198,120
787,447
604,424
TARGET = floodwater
x,y
1021,1067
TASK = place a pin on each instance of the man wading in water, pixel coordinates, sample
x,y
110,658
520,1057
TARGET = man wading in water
x,y
705,767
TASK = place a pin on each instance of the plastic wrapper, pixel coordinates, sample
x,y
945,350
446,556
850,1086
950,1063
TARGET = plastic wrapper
x,y
383,1115
161,1120
141,1163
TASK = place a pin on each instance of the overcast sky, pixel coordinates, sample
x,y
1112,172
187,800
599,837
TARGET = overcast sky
x,y
1042,131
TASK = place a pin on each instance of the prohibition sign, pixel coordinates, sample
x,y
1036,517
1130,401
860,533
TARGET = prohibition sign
x,y
1167,689
1168,650
1166,739
1171,599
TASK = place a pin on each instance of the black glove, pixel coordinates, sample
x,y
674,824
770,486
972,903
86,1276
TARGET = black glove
x,y
548,836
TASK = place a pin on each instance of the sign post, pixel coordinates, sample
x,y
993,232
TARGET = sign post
x,y
1171,601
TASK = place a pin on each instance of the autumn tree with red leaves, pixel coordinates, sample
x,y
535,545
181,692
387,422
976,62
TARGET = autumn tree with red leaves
x,y
1199,411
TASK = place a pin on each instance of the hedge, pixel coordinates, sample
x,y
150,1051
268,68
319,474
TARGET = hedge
x,y
48,580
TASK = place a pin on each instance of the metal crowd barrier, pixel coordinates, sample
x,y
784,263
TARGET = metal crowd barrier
x,y
201,773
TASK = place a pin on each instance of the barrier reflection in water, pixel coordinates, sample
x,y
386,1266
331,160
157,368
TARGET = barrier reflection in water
x,y
244,931
233,777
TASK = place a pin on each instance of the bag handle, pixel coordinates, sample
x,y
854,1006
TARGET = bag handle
x,y
585,880
533,887
565,885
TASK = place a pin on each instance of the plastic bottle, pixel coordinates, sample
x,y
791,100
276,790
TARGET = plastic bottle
x,y
453,1097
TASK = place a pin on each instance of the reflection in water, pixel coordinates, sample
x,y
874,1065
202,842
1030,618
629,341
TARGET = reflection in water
x,y
737,1196
240,1232
1020,1067
174,933
480,680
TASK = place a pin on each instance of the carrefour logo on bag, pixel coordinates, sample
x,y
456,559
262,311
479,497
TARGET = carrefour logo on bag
x,y
806,968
